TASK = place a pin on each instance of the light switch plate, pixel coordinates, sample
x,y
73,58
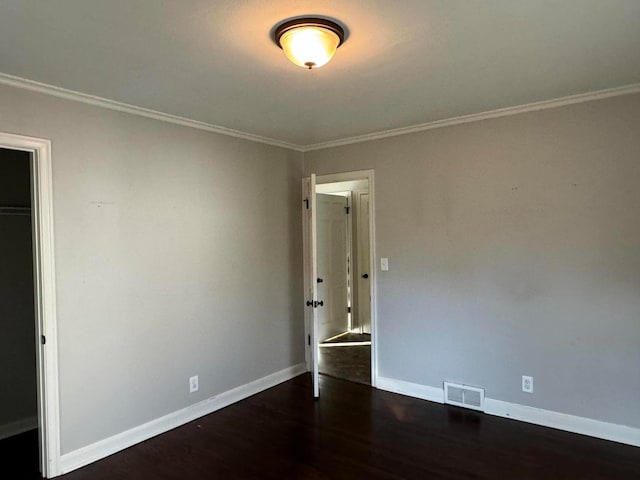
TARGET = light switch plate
x,y
384,264
193,384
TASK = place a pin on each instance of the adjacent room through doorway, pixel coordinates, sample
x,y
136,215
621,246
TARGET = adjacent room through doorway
x,y
343,256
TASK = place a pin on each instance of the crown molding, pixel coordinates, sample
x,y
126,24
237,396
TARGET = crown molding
x,y
59,92
475,117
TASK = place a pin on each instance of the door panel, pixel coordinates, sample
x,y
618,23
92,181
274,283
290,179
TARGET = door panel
x,y
332,265
309,247
314,286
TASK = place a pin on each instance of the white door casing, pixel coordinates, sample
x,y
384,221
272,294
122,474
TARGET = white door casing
x,y
310,271
44,296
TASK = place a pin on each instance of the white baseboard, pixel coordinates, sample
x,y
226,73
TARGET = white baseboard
x,y
19,426
563,421
416,390
523,413
103,448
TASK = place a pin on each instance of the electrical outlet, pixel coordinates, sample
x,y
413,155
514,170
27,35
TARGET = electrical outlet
x,y
527,384
193,384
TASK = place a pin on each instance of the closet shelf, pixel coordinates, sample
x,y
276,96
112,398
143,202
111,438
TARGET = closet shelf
x,y
10,211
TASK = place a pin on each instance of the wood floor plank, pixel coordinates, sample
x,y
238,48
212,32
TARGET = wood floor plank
x,y
354,431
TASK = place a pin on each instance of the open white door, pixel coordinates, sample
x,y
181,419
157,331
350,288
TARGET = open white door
x,y
316,296
314,286
310,247
332,264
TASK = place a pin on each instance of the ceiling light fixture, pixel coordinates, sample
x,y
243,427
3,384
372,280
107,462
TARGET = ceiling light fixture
x,y
309,42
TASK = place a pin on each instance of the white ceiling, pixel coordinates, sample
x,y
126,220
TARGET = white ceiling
x,y
404,63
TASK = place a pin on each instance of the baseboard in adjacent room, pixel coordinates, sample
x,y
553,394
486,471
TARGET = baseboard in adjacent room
x,y
546,418
103,448
17,427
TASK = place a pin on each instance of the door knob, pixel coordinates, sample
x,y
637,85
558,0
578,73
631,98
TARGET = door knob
x,y
309,303
320,280
319,304
365,275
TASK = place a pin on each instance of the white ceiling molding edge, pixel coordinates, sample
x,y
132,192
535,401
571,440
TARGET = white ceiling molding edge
x,y
140,111
475,117
52,90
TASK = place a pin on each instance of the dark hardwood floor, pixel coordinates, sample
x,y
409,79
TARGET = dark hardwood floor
x,y
353,432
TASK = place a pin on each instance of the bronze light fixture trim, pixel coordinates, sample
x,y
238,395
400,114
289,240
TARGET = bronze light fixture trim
x,y
309,42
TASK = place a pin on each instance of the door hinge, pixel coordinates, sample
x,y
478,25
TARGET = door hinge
x,y
306,202
43,339
347,209
309,340
348,309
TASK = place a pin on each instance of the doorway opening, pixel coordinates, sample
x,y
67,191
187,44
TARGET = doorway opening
x,y
18,377
339,276
344,326
29,418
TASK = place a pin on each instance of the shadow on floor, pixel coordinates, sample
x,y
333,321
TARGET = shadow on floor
x,y
19,456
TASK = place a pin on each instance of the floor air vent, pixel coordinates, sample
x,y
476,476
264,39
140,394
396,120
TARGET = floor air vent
x,y
464,396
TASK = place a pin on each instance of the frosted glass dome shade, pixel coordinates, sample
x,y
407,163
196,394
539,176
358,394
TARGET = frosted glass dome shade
x,y
309,44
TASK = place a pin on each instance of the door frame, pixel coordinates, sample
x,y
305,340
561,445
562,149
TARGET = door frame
x,y
44,295
368,175
357,206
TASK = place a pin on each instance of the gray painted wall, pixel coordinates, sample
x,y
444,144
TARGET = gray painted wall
x,y
514,249
178,252
513,244
18,400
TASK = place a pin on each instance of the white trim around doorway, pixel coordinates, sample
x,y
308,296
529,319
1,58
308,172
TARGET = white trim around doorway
x,y
369,176
45,296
